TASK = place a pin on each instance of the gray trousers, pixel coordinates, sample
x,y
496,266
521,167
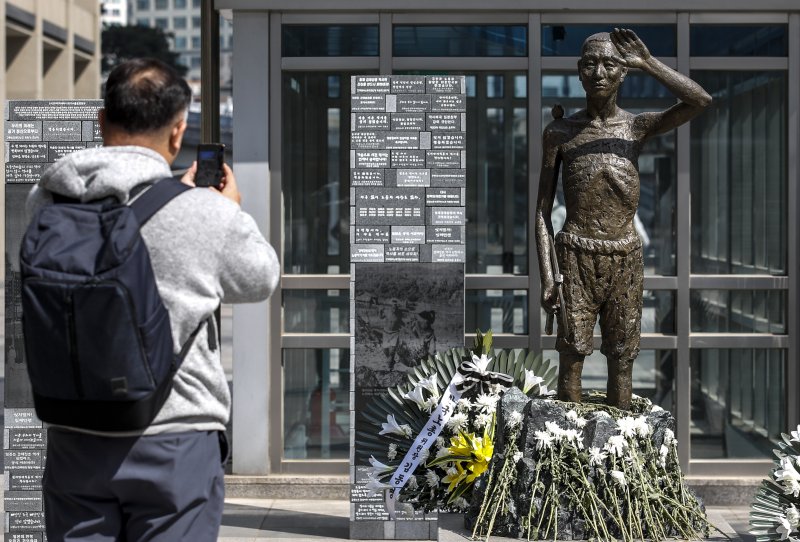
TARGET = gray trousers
x,y
162,488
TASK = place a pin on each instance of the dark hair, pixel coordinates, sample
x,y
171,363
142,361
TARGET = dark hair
x,y
145,94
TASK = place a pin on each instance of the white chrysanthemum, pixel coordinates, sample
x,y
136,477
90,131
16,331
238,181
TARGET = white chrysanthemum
x,y
793,515
440,442
531,380
418,397
572,416
573,436
431,478
457,422
627,426
486,402
412,483
581,423
616,445
482,420
392,427
463,405
619,477
423,455
601,414
441,452
392,453
482,362
517,456
795,435
514,420
656,408
378,468
544,440
663,451
376,487
460,503
596,457
669,438
554,429
642,428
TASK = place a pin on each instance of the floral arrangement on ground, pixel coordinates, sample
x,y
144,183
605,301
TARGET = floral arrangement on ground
x,y
775,512
446,472
585,471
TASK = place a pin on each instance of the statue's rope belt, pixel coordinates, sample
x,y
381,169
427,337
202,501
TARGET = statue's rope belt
x,y
468,375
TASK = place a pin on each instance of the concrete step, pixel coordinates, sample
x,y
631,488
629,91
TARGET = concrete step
x,y
714,491
283,486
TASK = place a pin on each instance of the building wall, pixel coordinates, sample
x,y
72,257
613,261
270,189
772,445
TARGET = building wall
x,y
719,203
51,50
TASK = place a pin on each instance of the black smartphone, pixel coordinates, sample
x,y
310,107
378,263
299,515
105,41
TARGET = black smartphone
x,y
210,157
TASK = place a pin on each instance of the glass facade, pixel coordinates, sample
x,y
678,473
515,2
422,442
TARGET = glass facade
x,y
715,212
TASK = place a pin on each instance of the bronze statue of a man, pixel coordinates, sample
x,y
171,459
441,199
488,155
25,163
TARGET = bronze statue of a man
x,y
598,250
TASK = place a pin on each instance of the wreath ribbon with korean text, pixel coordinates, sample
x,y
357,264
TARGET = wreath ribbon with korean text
x,y
470,373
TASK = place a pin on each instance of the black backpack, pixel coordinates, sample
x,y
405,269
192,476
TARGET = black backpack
x,y
98,340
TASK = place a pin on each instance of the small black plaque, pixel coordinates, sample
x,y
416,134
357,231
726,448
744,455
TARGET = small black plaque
x,y
27,152
372,234
445,121
445,234
408,121
25,521
62,130
28,130
402,140
414,159
368,140
26,439
449,102
401,253
372,159
449,177
24,459
446,216
413,103
443,159
59,150
24,173
445,84
25,537
414,235
390,206
375,84
413,178
444,197
29,480
412,84
370,121
53,109
366,177
23,501
449,140
368,103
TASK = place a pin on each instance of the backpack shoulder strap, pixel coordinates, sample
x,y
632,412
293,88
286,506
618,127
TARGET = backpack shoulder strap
x,y
154,198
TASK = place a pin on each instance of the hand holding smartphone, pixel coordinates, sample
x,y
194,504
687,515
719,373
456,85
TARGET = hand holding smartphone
x,y
210,158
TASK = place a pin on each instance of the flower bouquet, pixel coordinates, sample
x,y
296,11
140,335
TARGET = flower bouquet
x,y
446,470
774,514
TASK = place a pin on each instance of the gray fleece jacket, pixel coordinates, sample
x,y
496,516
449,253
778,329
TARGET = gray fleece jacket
x,y
205,251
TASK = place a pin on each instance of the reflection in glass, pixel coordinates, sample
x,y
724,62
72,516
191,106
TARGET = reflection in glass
x,y
497,177
739,40
502,311
330,40
653,374
316,404
316,311
460,40
738,311
657,172
566,40
738,402
316,186
738,172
